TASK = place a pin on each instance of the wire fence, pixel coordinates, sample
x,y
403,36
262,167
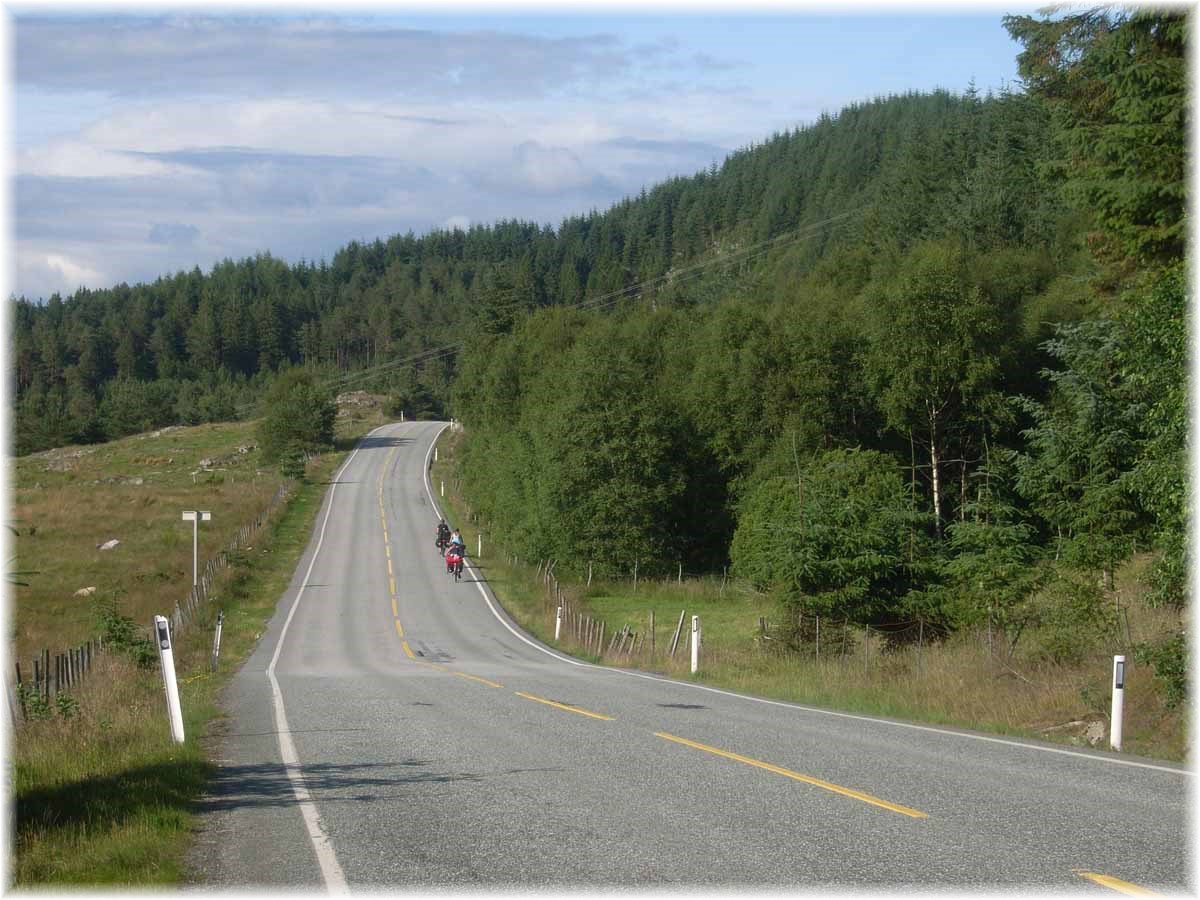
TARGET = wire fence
x,y
52,678
797,632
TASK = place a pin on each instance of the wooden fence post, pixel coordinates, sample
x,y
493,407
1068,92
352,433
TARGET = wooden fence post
x,y
675,637
920,640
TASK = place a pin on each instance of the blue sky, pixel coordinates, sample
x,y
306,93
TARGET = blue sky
x,y
145,142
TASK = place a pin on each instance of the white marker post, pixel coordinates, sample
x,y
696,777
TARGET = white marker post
x,y
479,545
196,517
558,623
443,489
1118,702
695,643
435,454
162,633
216,651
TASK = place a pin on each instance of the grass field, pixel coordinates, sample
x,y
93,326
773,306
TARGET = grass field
x,y
954,682
101,795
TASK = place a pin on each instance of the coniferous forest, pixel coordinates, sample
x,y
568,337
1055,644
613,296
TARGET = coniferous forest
x,y
924,357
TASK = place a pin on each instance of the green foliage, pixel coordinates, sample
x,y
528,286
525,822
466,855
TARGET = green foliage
x,y
1068,619
995,566
292,461
951,334
33,702
1153,361
67,706
1081,443
298,416
1170,661
122,635
834,538
128,406
1115,81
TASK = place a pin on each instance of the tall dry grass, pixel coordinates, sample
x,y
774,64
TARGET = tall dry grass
x,y
68,501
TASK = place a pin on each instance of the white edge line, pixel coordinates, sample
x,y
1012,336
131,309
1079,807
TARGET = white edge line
x,y
335,878
479,582
437,510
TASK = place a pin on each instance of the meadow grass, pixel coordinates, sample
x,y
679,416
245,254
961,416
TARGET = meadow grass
x,y
104,797
952,681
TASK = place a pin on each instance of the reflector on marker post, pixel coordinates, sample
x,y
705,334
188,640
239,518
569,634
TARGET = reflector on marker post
x,y
1118,703
162,634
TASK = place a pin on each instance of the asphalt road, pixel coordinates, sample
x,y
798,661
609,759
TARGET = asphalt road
x,y
395,730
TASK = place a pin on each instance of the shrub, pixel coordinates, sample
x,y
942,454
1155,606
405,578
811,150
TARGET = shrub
x,y
835,537
1170,661
122,634
298,413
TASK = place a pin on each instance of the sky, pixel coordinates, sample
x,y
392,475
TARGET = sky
x,y
149,140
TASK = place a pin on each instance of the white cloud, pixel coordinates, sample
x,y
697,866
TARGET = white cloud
x,y
242,55
41,273
548,169
296,154
79,159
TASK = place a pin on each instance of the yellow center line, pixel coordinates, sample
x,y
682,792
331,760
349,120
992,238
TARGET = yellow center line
x,y
387,549
567,707
807,779
1116,884
477,678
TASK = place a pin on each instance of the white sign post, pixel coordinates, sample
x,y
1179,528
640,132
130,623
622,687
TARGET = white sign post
x,y
196,517
162,634
558,623
1118,702
695,643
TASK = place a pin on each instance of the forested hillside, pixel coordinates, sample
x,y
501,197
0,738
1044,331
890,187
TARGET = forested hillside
x,y
199,347
962,402
922,357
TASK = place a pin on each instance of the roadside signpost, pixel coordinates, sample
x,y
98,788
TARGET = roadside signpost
x,y
196,517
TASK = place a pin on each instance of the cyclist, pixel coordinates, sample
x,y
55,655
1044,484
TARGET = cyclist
x,y
443,535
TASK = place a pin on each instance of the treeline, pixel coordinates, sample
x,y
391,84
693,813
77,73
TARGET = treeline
x,y
965,405
199,347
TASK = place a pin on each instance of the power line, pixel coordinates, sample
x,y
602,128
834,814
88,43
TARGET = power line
x,y
603,301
